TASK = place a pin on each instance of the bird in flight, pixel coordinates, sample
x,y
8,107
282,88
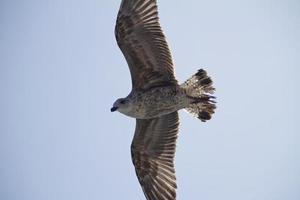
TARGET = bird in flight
x,y
156,97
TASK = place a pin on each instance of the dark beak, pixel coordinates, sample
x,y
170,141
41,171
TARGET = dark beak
x,y
113,109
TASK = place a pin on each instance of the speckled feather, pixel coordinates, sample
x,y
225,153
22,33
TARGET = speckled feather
x,y
155,97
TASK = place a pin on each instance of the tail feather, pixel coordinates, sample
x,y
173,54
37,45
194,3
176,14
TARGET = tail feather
x,y
199,91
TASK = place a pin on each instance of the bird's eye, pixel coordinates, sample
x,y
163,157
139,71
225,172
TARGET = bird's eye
x,y
122,102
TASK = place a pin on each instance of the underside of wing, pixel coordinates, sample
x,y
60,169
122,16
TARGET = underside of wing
x,y
153,150
143,44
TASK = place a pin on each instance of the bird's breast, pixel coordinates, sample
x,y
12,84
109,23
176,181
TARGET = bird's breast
x,y
157,102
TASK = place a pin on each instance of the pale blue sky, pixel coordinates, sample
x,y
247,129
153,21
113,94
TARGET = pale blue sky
x,y
61,70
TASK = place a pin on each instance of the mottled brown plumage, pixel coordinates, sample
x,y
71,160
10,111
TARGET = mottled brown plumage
x,y
153,150
143,44
156,97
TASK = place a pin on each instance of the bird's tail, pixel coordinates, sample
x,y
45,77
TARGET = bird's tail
x,y
199,92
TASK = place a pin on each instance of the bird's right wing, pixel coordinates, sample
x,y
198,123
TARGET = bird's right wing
x,y
143,44
153,149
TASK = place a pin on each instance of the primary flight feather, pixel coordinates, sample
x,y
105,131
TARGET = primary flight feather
x,y
156,97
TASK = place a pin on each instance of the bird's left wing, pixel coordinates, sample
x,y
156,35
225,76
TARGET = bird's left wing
x,y
153,149
143,44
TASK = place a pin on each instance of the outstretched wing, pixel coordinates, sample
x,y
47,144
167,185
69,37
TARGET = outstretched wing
x,y
152,150
143,44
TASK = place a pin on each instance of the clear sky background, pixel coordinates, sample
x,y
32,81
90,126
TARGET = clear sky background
x,y
61,70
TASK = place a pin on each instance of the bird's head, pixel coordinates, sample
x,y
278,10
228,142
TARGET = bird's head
x,y
122,105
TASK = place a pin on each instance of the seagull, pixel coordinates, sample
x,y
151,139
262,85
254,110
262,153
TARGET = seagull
x,y
156,97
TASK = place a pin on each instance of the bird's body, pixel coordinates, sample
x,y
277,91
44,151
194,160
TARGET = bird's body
x,y
156,97
155,102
